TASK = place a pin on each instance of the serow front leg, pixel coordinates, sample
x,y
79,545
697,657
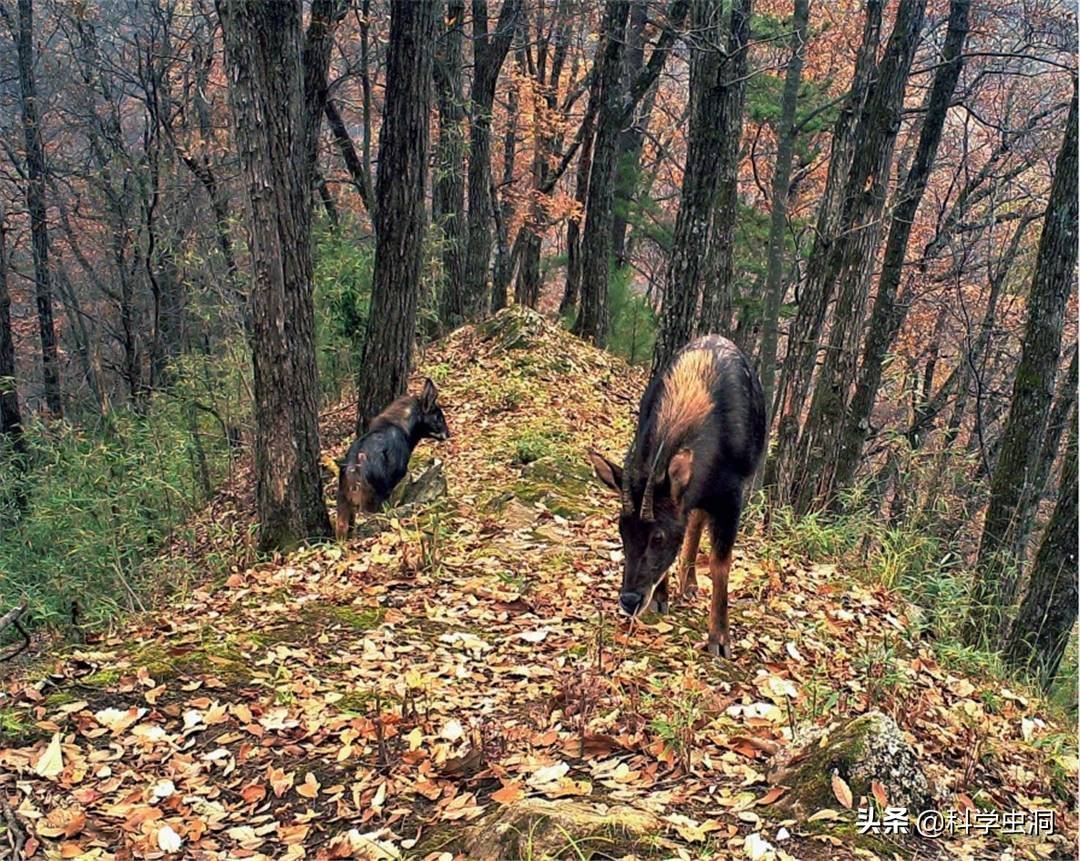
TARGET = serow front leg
x,y
719,638
688,555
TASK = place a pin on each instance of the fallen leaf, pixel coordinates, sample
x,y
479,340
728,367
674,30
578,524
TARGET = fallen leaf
x,y
168,840
51,761
841,790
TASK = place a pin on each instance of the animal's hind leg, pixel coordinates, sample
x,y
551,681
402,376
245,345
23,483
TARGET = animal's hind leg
x,y
723,540
688,554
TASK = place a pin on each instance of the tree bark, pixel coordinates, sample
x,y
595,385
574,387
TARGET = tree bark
x,y
592,318
718,291
887,316
693,223
613,111
10,416
1047,614
1033,389
781,183
399,193
35,203
448,195
273,98
489,51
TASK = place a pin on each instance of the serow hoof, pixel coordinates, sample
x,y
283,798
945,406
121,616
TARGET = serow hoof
x,y
720,650
690,593
660,606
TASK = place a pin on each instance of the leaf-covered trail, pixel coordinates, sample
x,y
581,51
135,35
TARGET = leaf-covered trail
x,y
389,695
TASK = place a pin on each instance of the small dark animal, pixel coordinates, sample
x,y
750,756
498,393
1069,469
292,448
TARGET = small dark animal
x,y
379,459
700,436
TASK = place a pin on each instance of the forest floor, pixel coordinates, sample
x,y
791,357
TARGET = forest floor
x,y
454,680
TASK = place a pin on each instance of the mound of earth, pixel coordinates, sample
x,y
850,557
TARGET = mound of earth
x,y
454,682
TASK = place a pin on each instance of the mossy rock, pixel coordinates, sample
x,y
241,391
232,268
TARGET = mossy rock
x,y
538,829
559,484
513,328
861,750
425,487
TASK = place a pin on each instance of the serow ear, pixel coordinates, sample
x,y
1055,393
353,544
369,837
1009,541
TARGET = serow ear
x,y
606,471
679,473
428,395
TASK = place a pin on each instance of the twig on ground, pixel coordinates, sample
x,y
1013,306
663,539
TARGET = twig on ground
x,y
9,619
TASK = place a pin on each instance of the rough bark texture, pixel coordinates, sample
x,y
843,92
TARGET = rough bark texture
x,y
1048,612
805,329
592,318
35,203
270,93
1033,391
399,193
888,315
613,112
701,174
448,195
489,51
781,182
718,291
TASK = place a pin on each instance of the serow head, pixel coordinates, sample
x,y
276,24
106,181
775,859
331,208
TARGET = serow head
x,y
652,526
432,420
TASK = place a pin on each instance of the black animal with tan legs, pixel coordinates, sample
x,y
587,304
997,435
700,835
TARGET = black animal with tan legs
x,y
379,459
700,436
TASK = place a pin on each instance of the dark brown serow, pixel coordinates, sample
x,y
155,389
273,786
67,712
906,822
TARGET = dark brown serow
x,y
379,459
700,436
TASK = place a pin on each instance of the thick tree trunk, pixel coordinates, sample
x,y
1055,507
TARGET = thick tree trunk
x,y
448,196
489,51
888,315
572,290
693,224
504,257
10,416
718,291
399,193
592,318
1047,614
814,297
272,95
781,182
35,203
1033,390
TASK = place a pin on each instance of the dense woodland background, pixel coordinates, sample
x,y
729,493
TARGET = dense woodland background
x,y
220,218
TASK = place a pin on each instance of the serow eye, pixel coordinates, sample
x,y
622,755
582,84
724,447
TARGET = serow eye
x,y
657,539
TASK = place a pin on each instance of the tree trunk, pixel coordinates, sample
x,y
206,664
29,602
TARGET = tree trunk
x,y
448,195
10,415
572,291
399,194
489,51
1033,390
272,96
35,204
592,319
718,291
815,294
852,254
693,223
631,139
1047,614
888,316
781,182
613,111
504,258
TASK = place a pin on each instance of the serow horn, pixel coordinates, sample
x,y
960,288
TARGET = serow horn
x,y
647,501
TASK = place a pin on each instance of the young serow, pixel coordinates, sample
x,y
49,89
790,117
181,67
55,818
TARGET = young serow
x,y
700,435
379,459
